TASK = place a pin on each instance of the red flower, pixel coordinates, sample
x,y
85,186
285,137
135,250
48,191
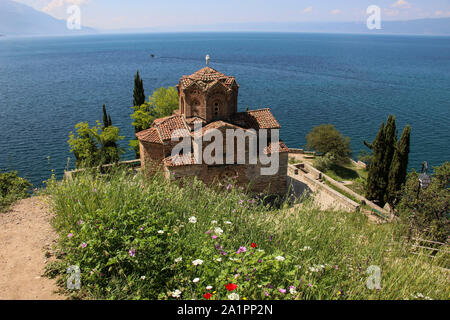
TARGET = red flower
x,y
207,295
231,286
253,245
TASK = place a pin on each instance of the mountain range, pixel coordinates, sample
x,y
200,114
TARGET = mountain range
x,y
17,19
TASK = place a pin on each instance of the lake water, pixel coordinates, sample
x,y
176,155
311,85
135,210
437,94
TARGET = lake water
x,y
47,85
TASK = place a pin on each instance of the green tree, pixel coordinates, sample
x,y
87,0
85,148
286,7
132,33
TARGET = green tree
x,y
399,167
94,146
138,91
327,140
162,103
376,179
426,211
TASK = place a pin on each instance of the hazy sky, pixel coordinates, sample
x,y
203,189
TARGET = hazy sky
x,y
118,14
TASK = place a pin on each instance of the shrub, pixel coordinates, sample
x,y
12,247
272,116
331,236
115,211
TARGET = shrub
x,y
148,238
326,139
12,188
324,163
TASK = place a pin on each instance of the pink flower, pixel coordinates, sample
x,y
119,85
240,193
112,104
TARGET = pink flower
x,y
132,252
229,186
70,235
266,293
141,229
80,221
282,290
214,237
84,245
241,250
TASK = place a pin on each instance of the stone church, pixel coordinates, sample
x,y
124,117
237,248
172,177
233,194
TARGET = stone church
x,y
210,98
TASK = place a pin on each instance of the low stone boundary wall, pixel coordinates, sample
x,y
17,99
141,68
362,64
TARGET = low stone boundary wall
x,y
129,163
318,174
351,205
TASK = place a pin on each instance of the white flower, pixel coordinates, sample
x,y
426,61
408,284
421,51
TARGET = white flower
x,y
209,288
260,250
292,290
179,259
214,222
176,294
196,280
228,222
197,262
233,296
218,231
161,231
219,259
234,259
192,220
280,258
143,278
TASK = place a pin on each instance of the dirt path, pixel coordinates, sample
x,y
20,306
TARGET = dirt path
x,y
25,236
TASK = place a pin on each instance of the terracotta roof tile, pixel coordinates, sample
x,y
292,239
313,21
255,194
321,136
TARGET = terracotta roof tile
x,y
179,160
205,76
282,147
150,135
256,119
166,126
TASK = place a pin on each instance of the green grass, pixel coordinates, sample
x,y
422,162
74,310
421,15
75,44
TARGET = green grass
x,y
127,233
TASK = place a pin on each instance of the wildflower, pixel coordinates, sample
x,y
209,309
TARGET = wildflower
x,y
84,245
228,222
229,186
197,262
241,202
231,286
141,229
214,222
132,252
253,245
233,296
209,287
309,285
336,267
218,231
266,293
214,237
192,220
241,250
282,290
143,278
70,235
177,260
196,280
80,222
176,294
292,290
280,258
219,259
207,295
236,275
161,231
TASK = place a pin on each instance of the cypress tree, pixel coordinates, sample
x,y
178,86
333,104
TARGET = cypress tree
x,y
138,92
376,181
109,120
399,166
105,118
390,142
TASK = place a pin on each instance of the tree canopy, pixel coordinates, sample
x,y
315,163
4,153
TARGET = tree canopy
x,y
326,139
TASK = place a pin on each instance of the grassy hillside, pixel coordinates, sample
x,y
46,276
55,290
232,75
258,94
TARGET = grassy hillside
x,y
137,238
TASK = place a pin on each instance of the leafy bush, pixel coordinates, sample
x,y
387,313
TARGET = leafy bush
x,y
12,188
323,163
147,238
94,146
326,139
426,211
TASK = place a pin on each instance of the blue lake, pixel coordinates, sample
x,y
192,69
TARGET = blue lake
x,y
47,85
